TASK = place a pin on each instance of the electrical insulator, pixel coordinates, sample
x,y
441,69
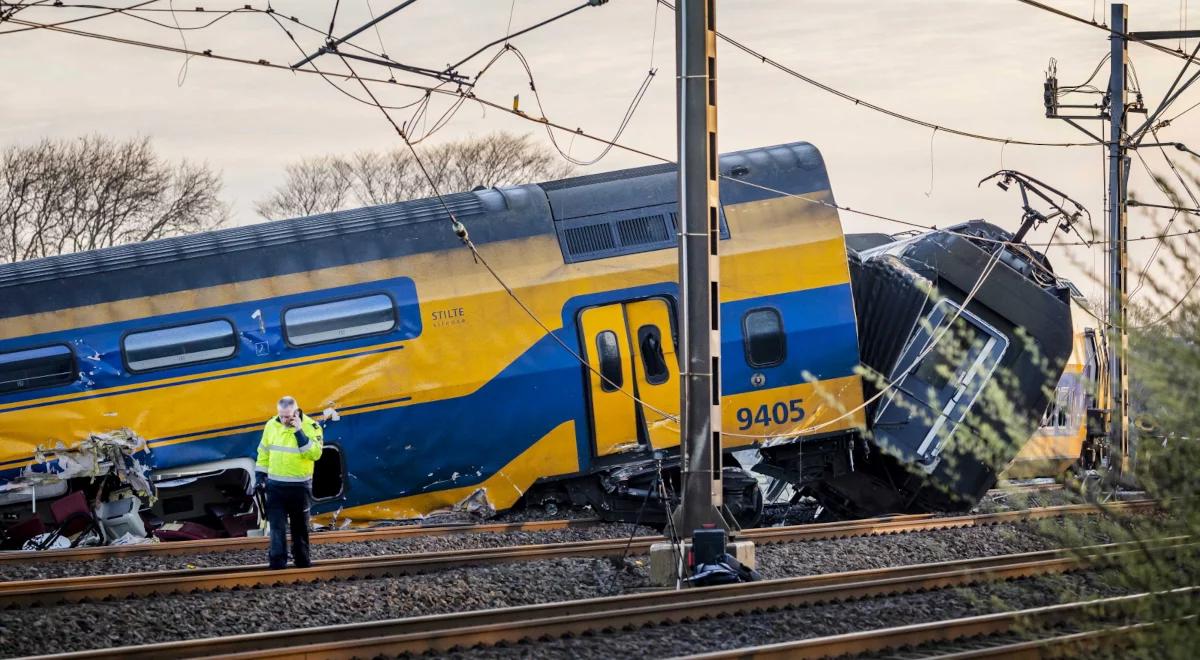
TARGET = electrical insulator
x,y
1050,90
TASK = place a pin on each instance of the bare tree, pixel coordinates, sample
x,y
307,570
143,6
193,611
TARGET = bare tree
x,y
332,183
59,196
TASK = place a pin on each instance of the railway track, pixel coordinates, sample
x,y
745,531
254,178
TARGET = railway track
x,y
442,633
8,558
259,542
1012,489
1040,632
23,593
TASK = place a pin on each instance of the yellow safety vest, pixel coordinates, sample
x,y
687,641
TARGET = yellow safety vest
x,y
282,458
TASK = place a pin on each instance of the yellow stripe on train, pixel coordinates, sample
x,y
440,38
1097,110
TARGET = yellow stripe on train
x,y
763,260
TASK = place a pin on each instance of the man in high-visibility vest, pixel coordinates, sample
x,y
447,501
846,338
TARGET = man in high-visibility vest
x,y
290,445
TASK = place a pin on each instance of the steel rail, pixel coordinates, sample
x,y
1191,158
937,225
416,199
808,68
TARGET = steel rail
x,y
19,593
1024,488
345,536
440,633
915,635
1060,645
259,542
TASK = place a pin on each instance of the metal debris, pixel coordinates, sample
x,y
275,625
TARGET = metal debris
x,y
476,504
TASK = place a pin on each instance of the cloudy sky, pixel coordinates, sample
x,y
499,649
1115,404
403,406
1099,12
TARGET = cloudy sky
x,y
976,65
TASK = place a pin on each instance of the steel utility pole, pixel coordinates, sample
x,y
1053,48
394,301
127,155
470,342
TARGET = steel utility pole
x,y
699,267
1115,257
1116,109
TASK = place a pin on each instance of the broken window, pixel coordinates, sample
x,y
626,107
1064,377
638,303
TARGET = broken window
x,y
36,367
329,474
180,345
341,319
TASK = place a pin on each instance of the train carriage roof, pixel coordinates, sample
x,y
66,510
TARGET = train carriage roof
x,y
378,232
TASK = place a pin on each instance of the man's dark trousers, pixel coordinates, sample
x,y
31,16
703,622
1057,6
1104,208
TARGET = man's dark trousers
x,y
288,503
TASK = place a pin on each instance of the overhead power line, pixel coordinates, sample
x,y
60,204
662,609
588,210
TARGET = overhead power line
x,y
878,108
547,122
506,108
506,38
1181,209
1127,35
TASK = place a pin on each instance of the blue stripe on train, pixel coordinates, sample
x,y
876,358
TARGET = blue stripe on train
x,y
412,449
822,338
98,348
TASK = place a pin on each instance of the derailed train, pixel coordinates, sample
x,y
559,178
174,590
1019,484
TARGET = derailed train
x,y
1074,430
439,391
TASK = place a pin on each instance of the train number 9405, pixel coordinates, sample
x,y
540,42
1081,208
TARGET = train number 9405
x,y
771,414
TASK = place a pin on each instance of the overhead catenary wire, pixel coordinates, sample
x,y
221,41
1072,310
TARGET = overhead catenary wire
x,y
506,108
509,36
1168,121
1159,244
545,121
630,110
1169,97
1086,86
877,108
1176,211
607,143
135,11
1092,23
14,7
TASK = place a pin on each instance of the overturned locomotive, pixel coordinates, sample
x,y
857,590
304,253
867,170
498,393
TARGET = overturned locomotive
x,y
439,391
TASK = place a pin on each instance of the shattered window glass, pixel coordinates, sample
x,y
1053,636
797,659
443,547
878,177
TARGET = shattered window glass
x,y
36,367
185,344
341,319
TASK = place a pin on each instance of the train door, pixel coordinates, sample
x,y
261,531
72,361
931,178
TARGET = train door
x,y
633,379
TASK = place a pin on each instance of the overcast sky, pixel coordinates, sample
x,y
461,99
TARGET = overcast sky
x,y
976,65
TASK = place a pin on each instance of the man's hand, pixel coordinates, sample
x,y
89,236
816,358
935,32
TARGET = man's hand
x,y
295,422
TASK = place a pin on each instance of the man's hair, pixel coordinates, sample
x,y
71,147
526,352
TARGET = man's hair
x,y
286,402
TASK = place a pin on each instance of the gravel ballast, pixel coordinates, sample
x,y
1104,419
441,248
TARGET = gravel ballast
x,y
97,625
371,548
811,621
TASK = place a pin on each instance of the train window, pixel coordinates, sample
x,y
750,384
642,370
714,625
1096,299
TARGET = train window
x,y
180,345
329,474
611,374
36,367
766,345
650,346
960,345
340,319
943,368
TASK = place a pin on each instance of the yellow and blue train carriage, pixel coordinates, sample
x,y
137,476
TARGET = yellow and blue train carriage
x,y
436,389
